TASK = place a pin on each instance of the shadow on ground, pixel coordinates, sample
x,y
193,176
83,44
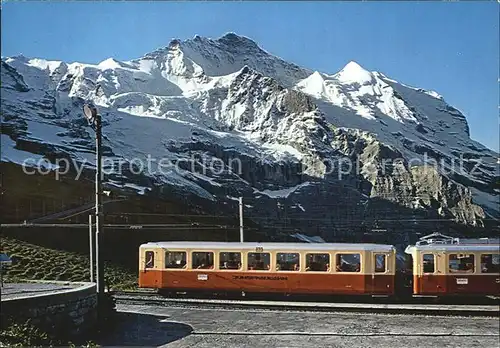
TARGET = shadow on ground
x,y
136,329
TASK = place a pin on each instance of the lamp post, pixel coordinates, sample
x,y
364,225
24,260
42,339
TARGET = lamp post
x,y
94,119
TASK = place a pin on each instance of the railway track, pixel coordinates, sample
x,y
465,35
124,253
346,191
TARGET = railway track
x,y
153,298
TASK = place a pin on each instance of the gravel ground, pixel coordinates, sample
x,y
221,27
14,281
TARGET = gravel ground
x,y
141,325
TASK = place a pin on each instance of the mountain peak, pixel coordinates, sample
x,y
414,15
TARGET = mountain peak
x,y
174,43
237,40
317,76
353,72
109,63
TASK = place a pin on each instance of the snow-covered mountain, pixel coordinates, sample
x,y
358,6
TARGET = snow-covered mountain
x,y
231,119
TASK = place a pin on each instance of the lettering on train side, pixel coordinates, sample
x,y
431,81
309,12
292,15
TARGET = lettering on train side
x,y
249,277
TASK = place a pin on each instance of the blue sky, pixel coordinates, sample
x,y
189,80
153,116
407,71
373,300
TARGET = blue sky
x,y
449,47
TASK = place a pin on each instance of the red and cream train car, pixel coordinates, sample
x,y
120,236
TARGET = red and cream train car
x,y
455,269
293,268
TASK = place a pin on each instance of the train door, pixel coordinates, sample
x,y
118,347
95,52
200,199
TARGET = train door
x,y
428,269
381,280
148,275
431,282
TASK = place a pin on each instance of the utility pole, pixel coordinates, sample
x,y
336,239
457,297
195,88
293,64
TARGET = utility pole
x,y
241,219
94,120
98,208
91,247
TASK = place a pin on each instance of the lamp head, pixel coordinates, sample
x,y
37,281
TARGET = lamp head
x,y
90,112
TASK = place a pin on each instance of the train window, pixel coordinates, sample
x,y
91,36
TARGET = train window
x,y
175,259
318,262
348,263
380,263
490,263
228,261
149,259
259,261
428,262
288,262
203,260
461,263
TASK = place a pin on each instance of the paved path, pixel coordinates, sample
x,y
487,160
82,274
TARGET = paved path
x,y
16,290
180,327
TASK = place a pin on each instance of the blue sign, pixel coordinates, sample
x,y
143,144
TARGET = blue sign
x,y
5,259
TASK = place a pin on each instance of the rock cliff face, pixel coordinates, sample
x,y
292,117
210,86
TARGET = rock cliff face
x,y
217,119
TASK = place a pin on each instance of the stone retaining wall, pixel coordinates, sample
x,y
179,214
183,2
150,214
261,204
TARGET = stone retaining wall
x,y
64,314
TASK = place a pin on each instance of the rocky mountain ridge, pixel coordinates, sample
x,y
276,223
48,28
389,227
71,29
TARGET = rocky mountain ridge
x,y
321,153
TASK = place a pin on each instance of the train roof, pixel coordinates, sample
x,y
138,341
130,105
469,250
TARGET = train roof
x,y
454,247
270,246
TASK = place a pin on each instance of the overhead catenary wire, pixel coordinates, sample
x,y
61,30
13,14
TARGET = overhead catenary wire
x,y
124,226
291,217
171,214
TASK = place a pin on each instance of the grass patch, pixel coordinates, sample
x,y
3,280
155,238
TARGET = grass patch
x,y
34,262
27,335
